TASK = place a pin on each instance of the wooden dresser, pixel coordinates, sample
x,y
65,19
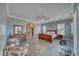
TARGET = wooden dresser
x,y
46,37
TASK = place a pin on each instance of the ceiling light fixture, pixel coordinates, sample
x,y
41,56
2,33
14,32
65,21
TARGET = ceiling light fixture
x,y
42,18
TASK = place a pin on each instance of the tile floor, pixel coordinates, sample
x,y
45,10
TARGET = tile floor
x,y
43,48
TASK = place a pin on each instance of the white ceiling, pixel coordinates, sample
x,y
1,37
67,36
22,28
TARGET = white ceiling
x,y
31,11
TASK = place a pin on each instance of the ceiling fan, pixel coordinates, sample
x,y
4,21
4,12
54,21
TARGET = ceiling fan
x,y
42,18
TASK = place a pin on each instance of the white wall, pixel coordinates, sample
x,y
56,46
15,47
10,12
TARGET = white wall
x,y
3,18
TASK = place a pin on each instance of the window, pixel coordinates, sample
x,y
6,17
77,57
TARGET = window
x,y
61,29
18,29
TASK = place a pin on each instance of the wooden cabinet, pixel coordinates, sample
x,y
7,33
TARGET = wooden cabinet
x,y
46,37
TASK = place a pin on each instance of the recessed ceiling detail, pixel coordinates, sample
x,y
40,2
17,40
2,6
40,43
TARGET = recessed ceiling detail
x,y
34,11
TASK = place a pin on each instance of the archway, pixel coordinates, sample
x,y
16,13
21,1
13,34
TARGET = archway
x,y
30,29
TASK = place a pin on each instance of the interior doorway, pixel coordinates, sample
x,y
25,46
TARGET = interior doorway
x,y
30,29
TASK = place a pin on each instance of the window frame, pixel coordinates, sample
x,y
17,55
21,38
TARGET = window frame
x,y
14,31
61,29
